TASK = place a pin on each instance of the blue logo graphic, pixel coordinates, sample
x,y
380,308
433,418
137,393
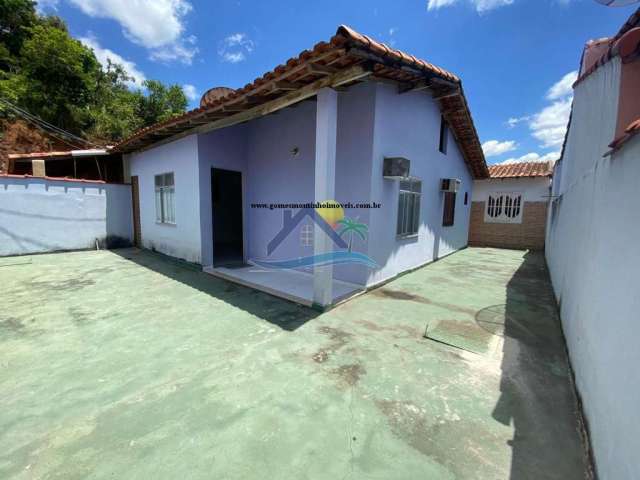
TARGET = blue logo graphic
x,y
340,226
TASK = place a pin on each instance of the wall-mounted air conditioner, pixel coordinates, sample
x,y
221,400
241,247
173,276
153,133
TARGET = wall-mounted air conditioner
x,y
450,185
395,168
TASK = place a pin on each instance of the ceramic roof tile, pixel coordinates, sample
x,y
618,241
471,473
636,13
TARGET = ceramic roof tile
x,y
521,169
343,51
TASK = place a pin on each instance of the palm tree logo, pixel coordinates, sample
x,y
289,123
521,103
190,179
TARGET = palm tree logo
x,y
351,226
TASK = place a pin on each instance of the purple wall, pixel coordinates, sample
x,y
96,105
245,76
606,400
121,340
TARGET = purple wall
x,y
374,121
408,125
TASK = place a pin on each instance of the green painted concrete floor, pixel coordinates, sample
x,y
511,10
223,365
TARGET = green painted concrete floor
x,y
126,365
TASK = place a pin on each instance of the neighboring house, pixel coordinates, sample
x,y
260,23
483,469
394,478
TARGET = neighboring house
x,y
322,126
90,164
509,209
592,246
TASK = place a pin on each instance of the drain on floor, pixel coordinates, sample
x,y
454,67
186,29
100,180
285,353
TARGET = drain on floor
x,y
503,321
460,334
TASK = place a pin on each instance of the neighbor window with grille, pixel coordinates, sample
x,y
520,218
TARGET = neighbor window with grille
x,y
503,207
165,198
409,207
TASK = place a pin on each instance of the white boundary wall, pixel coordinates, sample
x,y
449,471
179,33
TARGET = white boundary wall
x,y
46,215
594,261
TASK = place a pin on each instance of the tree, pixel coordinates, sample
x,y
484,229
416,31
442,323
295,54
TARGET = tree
x,y
16,17
114,113
55,77
161,102
60,76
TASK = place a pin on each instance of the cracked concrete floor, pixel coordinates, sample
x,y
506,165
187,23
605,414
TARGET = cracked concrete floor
x,y
127,365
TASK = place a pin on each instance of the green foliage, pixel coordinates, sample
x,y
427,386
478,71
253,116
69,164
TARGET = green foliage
x,y
161,102
57,78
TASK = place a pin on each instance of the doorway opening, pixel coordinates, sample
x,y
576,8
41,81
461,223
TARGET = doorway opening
x,y
226,209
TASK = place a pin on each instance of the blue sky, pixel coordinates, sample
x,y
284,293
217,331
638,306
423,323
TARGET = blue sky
x,y
515,57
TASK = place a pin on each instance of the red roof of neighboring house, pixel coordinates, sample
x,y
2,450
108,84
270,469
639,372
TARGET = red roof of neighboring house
x,y
301,76
521,169
614,46
632,130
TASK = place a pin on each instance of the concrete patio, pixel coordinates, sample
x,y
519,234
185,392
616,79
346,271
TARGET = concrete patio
x,y
125,365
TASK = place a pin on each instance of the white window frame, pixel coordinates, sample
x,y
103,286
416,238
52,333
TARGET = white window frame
x,y
165,198
409,198
504,207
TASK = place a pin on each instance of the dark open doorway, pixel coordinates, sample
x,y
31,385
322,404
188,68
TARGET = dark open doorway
x,y
226,199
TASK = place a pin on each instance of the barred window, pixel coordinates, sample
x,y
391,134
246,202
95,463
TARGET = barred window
x,y
409,207
165,198
503,207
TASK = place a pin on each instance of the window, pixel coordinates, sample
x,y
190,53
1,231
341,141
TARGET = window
x,y
444,135
306,235
409,207
165,202
503,207
449,213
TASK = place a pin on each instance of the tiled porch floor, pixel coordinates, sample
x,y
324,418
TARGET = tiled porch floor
x,y
288,284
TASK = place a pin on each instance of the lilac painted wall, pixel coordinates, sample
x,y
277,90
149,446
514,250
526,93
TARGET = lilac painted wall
x,y
408,125
354,147
374,121
225,149
181,240
278,176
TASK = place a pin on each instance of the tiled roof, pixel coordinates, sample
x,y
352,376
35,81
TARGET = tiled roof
x,y
632,130
347,49
521,169
612,51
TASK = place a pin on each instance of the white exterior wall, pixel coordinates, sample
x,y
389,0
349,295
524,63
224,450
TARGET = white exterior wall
x,y
40,215
182,240
594,262
533,189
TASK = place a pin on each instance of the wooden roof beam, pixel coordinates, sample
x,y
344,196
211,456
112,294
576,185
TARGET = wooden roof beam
x,y
335,80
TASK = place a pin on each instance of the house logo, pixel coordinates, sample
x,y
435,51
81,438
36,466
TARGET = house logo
x,y
334,224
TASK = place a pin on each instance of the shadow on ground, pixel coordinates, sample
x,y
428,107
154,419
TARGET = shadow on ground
x,y
281,313
535,375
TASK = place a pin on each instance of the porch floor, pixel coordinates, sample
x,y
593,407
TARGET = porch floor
x,y
288,284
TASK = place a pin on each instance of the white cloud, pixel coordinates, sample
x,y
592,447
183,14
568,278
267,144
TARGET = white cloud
x,y
533,157
104,54
513,121
190,92
481,6
235,47
155,24
564,87
550,124
491,148
183,51
43,5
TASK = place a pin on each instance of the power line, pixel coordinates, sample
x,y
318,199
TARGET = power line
x,y
46,126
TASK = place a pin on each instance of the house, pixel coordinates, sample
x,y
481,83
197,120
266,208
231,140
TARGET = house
x,y
381,144
592,246
509,209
